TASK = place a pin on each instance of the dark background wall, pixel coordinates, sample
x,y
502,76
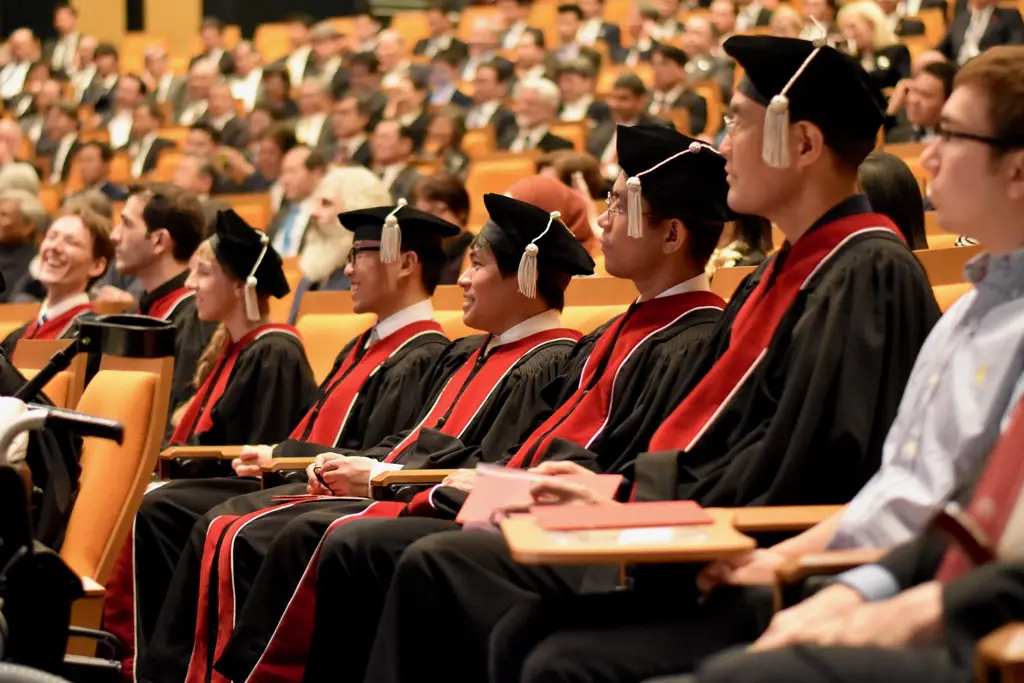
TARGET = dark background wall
x,y
35,14
249,13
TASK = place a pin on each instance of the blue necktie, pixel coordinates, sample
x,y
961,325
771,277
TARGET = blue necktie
x,y
286,230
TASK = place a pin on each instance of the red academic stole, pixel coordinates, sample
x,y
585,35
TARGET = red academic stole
x,y
755,324
344,386
585,414
197,419
996,503
57,326
465,394
168,303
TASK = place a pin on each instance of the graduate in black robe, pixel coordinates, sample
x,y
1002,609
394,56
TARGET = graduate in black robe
x,y
385,366
790,403
609,404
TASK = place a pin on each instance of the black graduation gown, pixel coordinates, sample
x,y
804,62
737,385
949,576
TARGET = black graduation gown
x,y
270,550
169,513
61,327
807,427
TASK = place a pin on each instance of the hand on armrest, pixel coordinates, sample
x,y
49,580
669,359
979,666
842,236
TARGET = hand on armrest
x,y
410,477
799,568
201,452
1003,648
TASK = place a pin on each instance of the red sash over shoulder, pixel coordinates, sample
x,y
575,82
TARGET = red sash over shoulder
x,y
584,416
472,384
197,419
755,324
166,305
57,326
344,386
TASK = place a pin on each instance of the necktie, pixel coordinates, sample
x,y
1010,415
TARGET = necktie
x,y
997,497
287,230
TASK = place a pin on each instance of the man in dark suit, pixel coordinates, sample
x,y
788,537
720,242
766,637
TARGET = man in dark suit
x,y
444,81
93,161
577,80
441,36
190,103
146,146
364,72
59,52
212,34
627,103
130,93
407,105
100,92
639,24
33,124
62,130
328,45
490,88
567,24
921,101
671,90
594,28
536,106
391,147
515,17
702,64
221,115
301,172
752,14
985,25
350,120
298,62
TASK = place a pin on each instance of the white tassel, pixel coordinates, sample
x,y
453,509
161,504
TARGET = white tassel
x,y
634,208
391,236
252,301
775,148
528,272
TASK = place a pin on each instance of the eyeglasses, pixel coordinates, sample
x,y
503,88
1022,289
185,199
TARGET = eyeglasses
x,y
730,123
946,135
614,207
355,251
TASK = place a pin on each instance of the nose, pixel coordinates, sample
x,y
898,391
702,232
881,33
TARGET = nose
x,y
604,221
349,270
464,280
726,147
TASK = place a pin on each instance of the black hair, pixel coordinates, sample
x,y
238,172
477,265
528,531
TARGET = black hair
x,y
537,35
571,8
432,262
580,67
365,59
106,153
503,69
280,72
143,90
212,22
671,52
316,161
754,231
632,83
105,50
458,118
66,6
945,72
702,235
550,286
283,137
447,188
893,191
208,129
450,57
299,18
175,210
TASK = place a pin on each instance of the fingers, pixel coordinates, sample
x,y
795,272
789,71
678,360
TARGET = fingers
x,y
235,464
557,492
248,470
559,467
713,575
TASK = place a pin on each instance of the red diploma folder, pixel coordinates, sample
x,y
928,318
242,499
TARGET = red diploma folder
x,y
498,488
578,517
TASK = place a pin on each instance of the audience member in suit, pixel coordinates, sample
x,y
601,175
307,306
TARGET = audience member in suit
x,y
668,26
594,28
21,105
490,88
161,82
248,77
751,14
443,141
364,75
391,148
93,163
444,81
985,25
351,118
34,123
22,217
723,19
873,43
627,104
191,102
211,33
916,104
639,24
328,45
196,174
442,37
147,145
484,41
100,93
328,243
275,94
221,115
86,71
536,105
367,26
699,45
130,93
530,56
444,195
298,62
21,54
820,14
59,52
393,57
515,18
62,129
311,127
577,81
203,140
301,171
568,20
407,105
264,174
671,90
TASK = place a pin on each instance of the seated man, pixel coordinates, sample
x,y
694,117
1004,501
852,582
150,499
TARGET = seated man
x,y
788,405
386,365
74,254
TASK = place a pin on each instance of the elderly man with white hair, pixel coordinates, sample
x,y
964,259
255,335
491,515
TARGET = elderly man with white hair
x,y
484,41
327,244
22,219
191,107
391,53
12,77
535,103
11,141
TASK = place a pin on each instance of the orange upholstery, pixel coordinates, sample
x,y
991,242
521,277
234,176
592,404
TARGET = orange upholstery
x,y
324,335
586,319
600,291
478,142
254,208
64,390
447,298
328,303
574,131
56,389
726,280
453,326
947,295
495,174
946,266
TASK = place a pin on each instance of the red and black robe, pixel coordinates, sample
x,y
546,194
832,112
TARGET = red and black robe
x,y
58,327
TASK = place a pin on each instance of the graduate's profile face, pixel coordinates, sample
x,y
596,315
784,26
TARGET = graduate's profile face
x,y
133,244
486,293
369,277
66,256
217,294
752,183
624,256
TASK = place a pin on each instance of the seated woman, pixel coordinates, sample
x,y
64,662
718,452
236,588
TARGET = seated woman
x,y
444,140
443,195
327,242
74,254
893,191
746,241
873,43
253,381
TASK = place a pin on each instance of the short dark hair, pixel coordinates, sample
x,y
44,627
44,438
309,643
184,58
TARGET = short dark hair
x,y
458,117
212,22
299,18
550,289
207,128
106,153
169,207
446,188
154,109
105,50
671,52
365,59
945,72
537,35
702,235
68,109
66,6
283,137
580,66
893,191
503,69
571,8
849,150
277,71
449,56
316,161
365,106
143,90
630,82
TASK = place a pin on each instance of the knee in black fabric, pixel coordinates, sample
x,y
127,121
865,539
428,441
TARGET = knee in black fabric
x,y
730,666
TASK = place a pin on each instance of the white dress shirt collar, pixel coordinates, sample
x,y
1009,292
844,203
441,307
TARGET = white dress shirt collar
x,y
63,307
589,31
700,283
542,322
576,111
420,311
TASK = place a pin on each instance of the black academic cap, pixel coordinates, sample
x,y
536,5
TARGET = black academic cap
x,y
416,230
241,248
688,183
832,89
521,231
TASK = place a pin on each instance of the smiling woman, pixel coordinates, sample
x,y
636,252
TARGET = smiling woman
x,y
74,254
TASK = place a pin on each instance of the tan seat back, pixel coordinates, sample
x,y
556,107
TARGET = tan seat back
x,y
65,389
324,335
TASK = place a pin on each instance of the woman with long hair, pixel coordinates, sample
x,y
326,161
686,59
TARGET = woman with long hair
x,y
893,191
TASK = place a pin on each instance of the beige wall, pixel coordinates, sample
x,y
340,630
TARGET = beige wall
x,y
102,18
175,20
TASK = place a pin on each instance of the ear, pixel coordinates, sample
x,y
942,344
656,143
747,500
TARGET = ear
x,y
1014,163
806,144
98,267
407,264
675,236
160,240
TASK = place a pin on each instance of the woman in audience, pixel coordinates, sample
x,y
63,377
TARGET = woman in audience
x,y
871,40
74,253
746,241
786,22
579,171
551,195
327,243
444,140
443,195
276,88
269,385
893,191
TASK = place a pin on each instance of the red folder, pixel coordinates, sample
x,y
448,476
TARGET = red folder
x,y
578,517
496,491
